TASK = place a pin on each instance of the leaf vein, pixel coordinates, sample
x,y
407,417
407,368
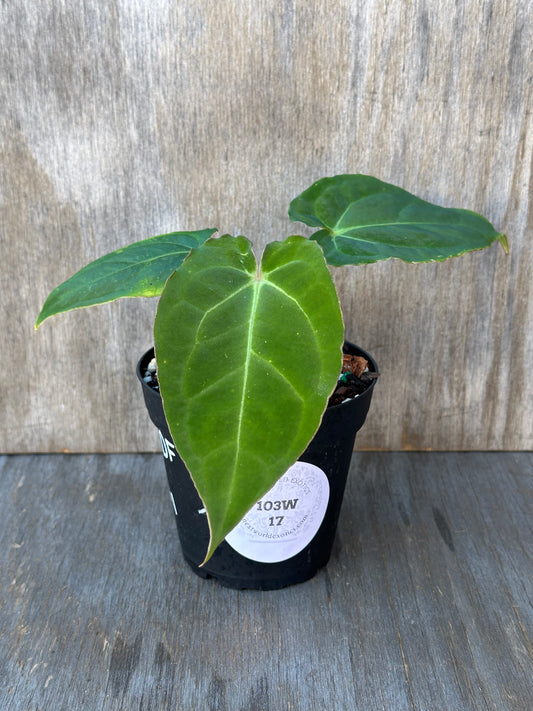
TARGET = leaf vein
x,y
279,372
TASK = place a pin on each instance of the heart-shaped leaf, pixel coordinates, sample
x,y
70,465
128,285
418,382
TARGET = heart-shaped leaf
x,y
363,220
141,269
246,360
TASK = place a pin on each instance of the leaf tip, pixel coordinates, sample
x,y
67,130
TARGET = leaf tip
x,y
39,321
210,550
502,239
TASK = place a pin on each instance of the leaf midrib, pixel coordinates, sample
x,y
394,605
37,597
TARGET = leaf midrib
x,y
341,232
256,286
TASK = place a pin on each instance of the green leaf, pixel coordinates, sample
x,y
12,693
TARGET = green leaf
x,y
246,360
141,269
363,220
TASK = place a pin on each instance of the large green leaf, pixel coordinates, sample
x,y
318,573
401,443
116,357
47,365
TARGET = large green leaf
x,y
141,269
246,360
363,220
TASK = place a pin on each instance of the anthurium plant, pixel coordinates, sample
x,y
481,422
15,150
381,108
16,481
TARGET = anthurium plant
x,y
231,331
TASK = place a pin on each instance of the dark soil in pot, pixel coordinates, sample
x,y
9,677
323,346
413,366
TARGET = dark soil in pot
x,y
288,535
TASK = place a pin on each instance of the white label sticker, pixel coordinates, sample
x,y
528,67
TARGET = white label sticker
x,y
286,519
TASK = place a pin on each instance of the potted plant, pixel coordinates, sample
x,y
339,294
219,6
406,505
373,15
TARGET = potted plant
x,y
247,356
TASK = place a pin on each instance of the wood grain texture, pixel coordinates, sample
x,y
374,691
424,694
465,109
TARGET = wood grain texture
x,y
128,119
427,602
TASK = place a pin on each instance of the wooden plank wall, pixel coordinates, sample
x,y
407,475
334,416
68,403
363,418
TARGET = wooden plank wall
x,y
130,118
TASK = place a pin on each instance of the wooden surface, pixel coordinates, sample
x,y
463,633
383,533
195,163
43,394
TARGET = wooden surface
x,y
127,119
425,605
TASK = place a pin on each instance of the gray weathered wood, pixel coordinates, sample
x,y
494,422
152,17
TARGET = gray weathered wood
x,y
426,604
126,119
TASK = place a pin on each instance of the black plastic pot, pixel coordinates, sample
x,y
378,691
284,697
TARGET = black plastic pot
x,y
314,516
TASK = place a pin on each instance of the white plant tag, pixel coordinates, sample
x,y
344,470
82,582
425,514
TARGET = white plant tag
x,y
286,519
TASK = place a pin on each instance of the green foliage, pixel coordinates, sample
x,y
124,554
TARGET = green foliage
x,y
364,220
242,408
248,355
141,269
